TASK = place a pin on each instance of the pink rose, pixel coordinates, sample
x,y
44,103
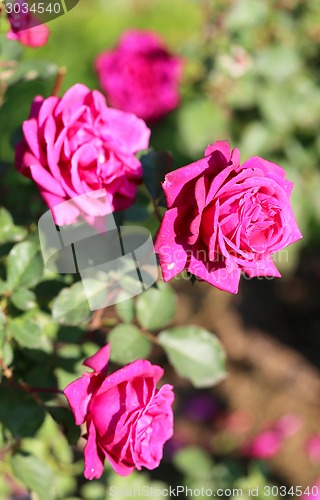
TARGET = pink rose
x,y
128,419
32,37
140,75
224,218
75,145
26,28
266,445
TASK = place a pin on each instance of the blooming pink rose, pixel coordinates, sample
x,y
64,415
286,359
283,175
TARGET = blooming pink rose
x,y
128,419
140,75
75,145
224,218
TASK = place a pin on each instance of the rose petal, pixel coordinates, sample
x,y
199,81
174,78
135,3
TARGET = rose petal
x,y
30,132
172,255
129,133
79,394
215,273
99,361
119,467
139,368
72,100
93,456
175,180
32,37
222,147
45,180
265,267
265,165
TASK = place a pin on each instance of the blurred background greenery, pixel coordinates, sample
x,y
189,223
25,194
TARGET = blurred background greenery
x,y
252,76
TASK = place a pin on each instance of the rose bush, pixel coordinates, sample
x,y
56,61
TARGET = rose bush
x,y
76,144
140,75
128,419
224,218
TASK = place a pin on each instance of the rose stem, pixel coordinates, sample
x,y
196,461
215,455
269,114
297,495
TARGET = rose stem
x,y
59,80
156,210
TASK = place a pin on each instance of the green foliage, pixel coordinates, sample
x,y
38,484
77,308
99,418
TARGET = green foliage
x,y
71,307
34,474
126,309
32,70
195,353
24,299
28,331
156,307
19,412
24,266
8,230
127,344
193,462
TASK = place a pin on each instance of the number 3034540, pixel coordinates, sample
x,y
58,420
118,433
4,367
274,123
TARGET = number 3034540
x,y
35,8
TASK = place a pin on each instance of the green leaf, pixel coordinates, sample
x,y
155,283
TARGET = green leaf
x,y
23,299
156,307
8,231
193,462
155,166
24,266
3,287
35,474
93,491
28,331
127,344
71,307
65,419
7,354
195,353
32,70
126,308
277,62
10,50
19,412
3,323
